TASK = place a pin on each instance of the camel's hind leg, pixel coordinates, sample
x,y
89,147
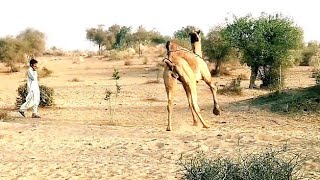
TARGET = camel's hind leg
x,y
191,90
214,89
194,115
171,85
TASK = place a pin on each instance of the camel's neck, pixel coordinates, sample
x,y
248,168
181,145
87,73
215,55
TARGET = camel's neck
x,y
196,48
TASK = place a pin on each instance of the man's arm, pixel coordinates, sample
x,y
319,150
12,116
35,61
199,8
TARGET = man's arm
x,y
30,74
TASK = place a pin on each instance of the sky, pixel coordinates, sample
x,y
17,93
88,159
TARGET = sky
x,y
64,22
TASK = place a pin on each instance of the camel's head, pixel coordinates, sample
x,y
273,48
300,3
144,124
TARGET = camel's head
x,y
195,36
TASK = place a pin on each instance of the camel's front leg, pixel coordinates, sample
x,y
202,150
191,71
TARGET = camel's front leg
x,y
214,89
171,84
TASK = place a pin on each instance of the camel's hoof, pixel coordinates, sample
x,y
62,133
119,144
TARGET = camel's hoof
x,y
168,129
195,123
216,111
206,126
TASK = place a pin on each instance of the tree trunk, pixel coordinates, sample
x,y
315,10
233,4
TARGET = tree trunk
x,y
139,49
217,70
99,51
253,76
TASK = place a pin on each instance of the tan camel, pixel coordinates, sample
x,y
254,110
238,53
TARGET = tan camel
x,y
188,68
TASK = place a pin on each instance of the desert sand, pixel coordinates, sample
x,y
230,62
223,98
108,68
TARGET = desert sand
x,y
79,139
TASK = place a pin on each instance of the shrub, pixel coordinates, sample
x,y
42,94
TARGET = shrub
x,y
3,115
46,95
292,101
128,62
234,88
45,72
13,67
75,80
269,165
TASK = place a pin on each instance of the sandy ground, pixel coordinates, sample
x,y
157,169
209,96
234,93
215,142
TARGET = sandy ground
x,y
79,139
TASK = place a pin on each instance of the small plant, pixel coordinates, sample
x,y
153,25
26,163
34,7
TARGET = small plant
x,y
234,88
46,95
109,93
115,74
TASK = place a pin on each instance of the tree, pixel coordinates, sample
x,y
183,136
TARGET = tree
x,y
310,50
11,51
141,36
98,36
216,47
265,44
34,42
182,37
183,33
122,37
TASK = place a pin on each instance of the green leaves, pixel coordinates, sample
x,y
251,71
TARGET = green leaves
x,y
265,41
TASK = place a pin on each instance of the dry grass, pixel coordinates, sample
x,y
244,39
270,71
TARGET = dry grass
x,y
75,80
156,81
3,115
128,62
145,60
243,76
119,55
45,72
151,99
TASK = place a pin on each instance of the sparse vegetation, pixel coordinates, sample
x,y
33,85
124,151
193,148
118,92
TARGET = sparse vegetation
x,y
266,165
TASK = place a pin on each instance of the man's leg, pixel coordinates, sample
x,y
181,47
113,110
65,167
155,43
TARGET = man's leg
x,y
35,107
25,106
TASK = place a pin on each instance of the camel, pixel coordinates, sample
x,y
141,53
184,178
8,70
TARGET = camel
x,y
188,68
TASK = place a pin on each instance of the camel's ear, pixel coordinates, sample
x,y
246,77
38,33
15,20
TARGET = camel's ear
x,y
198,32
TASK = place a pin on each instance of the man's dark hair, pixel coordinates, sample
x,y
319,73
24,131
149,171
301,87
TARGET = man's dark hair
x,y
33,61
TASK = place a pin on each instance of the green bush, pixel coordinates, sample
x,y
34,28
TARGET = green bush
x,y
302,100
269,165
46,95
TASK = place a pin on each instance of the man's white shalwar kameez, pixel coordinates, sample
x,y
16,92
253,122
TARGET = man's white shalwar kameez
x,y
33,97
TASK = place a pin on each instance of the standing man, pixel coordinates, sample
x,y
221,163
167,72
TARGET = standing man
x,y
33,97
